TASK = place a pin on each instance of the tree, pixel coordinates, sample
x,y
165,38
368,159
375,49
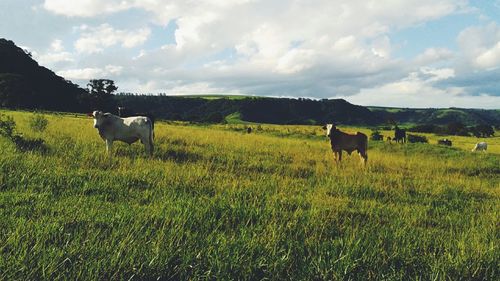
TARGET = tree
x,y
483,130
101,94
15,92
456,128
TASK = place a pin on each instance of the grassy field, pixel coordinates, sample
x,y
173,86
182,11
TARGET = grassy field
x,y
217,203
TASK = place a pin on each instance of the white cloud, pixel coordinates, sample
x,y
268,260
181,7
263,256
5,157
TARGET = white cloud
x,y
317,48
436,74
94,40
57,45
489,59
55,55
53,58
420,92
433,55
480,46
295,61
91,72
85,8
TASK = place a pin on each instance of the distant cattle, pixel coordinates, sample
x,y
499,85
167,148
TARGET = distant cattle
x,y
446,142
399,135
417,138
249,130
480,146
129,130
348,142
376,136
127,112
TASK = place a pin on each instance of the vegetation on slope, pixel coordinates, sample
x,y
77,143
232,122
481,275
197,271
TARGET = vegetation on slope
x,y
26,85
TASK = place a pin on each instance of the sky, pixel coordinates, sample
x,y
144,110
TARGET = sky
x,y
401,53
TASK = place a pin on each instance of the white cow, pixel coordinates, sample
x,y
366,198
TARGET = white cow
x,y
480,146
129,130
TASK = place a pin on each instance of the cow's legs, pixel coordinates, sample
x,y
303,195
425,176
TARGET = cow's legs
x,y
148,145
364,156
340,156
109,146
151,144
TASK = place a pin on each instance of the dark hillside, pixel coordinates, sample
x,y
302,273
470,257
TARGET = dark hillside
x,y
251,109
25,84
439,116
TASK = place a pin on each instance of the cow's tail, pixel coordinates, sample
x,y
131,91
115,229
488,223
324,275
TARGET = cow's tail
x,y
151,136
152,127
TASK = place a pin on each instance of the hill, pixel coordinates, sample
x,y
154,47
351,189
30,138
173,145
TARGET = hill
x,y
439,116
251,109
25,84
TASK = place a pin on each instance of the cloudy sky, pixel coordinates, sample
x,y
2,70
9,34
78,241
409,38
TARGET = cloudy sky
x,y
408,53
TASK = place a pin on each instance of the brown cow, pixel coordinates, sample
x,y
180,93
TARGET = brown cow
x,y
348,142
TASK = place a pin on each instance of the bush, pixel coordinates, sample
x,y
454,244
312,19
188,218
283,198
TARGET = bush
x,y
38,123
426,128
7,126
8,130
482,130
417,138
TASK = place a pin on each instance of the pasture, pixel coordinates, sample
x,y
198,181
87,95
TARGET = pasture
x,y
217,203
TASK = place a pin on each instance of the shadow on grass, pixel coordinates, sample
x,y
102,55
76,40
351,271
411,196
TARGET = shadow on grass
x,y
26,145
178,156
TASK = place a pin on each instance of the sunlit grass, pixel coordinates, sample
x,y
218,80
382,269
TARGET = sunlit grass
x,y
215,202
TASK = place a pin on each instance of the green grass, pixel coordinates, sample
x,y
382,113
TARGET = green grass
x,y
235,118
217,203
216,96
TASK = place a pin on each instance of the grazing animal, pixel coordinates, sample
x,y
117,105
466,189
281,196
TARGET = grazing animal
x,y
129,130
480,146
348,142
416,138
446,142
399,135
249,130
125,112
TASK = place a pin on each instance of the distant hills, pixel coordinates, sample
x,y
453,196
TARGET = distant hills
x,y
251,109
439,116
25,84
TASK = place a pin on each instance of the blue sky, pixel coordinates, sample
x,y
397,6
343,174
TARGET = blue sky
x,y
410,53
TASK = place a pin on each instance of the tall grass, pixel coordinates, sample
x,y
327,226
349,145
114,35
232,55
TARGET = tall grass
x,y
217,203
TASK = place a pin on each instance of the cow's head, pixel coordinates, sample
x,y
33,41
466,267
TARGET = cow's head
x,y
329,128
98,118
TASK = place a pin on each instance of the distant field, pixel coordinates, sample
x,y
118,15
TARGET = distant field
x,y
221,96
217,203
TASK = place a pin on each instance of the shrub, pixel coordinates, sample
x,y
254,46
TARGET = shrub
x,y
426,128
7,126
8,130
482,130
38,123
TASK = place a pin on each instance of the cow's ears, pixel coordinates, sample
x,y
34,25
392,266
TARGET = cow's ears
x,y
90,114
324,127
